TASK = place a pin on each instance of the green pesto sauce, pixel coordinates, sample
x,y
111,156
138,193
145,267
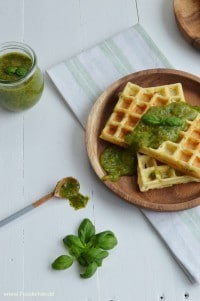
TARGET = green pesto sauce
x,y
22,94
70,191
78,201
157,125
171,120
117,162
14,60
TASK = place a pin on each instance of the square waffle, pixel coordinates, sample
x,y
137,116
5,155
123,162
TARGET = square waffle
x,y
154,174
133,102
183,155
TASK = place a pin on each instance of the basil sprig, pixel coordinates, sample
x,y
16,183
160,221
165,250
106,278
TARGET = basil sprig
x,y
88,248
156,120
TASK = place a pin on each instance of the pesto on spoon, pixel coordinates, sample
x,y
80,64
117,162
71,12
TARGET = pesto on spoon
x,y
66,188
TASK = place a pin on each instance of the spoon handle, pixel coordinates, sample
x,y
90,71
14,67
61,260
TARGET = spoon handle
x,y
26,209
16,215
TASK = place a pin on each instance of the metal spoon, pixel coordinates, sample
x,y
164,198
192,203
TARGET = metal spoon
x,y
55,193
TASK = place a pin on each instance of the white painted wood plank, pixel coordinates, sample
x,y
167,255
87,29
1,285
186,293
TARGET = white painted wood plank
x,y
11,132
63,29
11,20
11,166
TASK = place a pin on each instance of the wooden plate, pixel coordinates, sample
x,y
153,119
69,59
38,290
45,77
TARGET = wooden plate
x,y
174,198
187,13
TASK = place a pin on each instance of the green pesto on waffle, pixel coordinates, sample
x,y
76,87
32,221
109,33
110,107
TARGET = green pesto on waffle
x,y
170,134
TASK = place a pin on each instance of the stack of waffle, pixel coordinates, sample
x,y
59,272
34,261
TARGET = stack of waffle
x,y
180,161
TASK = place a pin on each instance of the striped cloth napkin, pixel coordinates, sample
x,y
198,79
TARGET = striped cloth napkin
x,y
81,79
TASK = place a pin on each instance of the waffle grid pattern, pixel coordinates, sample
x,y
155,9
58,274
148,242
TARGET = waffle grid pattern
x,y
153,174
133,102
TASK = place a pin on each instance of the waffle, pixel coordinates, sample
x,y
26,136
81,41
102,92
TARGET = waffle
x,y
133,102
153,174
183,155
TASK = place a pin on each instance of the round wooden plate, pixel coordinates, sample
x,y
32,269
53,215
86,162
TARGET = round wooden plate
x,y
187,15
177,197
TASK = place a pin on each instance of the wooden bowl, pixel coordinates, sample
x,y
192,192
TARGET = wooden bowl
x,y
187,13
177,197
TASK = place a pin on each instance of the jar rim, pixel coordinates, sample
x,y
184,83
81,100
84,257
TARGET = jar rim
x,y
12,45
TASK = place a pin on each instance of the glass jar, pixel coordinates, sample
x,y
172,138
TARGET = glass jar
x,y
21,81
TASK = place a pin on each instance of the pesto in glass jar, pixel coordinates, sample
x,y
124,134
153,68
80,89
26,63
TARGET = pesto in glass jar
x,y
21,81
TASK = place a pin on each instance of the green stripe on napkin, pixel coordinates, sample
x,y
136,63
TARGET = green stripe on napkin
x,y
82,77
116,56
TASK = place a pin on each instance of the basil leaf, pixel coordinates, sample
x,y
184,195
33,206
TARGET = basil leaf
x,y
94,255
74,245
10,70
173,121
105,240
62,262
89,271
21,71
75,251
82,261
72,240
152,119
86,230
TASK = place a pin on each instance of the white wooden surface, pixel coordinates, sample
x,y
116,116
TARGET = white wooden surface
x,y
46,143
